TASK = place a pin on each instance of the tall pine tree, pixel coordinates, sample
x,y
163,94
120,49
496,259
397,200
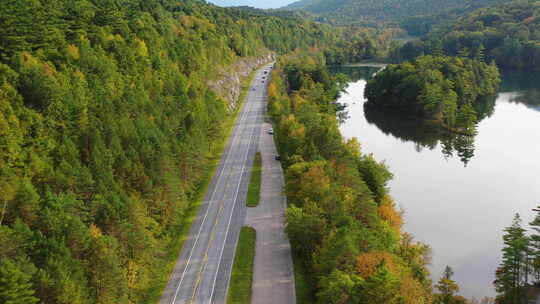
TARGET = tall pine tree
x,y
535,246
512,274
447,288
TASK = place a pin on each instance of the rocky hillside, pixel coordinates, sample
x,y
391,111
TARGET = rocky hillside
x,y
228,84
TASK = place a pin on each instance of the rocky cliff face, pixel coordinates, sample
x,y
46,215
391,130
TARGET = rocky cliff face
x,y
228,83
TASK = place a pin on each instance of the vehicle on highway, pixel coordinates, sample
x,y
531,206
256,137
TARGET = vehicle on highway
x,y
270,131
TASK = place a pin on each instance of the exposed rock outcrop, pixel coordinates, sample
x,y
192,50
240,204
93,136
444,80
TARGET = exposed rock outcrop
x,y
229,80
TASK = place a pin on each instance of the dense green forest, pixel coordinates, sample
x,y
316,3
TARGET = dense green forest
x,y
343,226
507,33
444,89
359,44
107,133
368,12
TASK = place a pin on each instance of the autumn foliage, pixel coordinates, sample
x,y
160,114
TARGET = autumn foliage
x,y
341,222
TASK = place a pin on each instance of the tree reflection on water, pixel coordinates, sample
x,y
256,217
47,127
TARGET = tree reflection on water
x,y
428,135
424,134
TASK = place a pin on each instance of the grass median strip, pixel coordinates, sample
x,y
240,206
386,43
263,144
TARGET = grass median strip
x,y
170,255
254,190
242,272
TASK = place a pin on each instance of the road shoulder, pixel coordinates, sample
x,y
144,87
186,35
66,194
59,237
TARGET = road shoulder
x,y
273,275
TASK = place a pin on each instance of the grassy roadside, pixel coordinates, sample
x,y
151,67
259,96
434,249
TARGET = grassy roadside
x,y
163,269
242,272
254,190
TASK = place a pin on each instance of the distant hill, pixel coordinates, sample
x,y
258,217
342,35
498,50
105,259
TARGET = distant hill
x,y
366,11
508,34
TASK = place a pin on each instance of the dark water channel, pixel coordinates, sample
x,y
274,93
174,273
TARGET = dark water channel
x,y
458,192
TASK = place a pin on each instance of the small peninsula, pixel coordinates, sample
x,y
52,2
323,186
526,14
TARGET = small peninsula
x,y
441,89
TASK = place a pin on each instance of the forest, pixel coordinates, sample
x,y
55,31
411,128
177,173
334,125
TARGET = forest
x,y
108,133
443,89
508,33
361,44
343,226
374,13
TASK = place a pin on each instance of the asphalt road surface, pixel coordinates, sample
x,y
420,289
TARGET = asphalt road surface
x,y
203,270
273,276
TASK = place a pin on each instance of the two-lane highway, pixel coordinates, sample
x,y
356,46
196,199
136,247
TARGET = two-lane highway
x,y
203,270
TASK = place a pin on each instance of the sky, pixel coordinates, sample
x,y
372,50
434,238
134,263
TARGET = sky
x,y
254,3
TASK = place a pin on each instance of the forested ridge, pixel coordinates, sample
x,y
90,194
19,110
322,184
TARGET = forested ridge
x,y
366,12
508,34
107,134
344,227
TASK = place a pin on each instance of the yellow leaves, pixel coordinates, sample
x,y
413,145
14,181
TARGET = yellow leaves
x,y
132,274
297,101
192,22
367,263
388,212
307,181
316,178
353,145
310,61
177,29
28,59
4,125
141,48
272,90
299,133
47,69
187,21
32,62
7,190
293,129
73,52
79,75
95,232
113,38
414,252
412,291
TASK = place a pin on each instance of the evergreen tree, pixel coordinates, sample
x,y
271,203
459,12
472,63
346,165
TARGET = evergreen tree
x,y
447,288
15,284
479,54
511,274
535,245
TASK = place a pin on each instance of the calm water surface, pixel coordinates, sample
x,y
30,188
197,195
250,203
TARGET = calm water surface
x,y
459,193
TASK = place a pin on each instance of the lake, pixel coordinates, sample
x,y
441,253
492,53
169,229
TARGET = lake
x,y
458,193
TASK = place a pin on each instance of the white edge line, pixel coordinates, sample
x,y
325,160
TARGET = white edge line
x,y
208,208
234,206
